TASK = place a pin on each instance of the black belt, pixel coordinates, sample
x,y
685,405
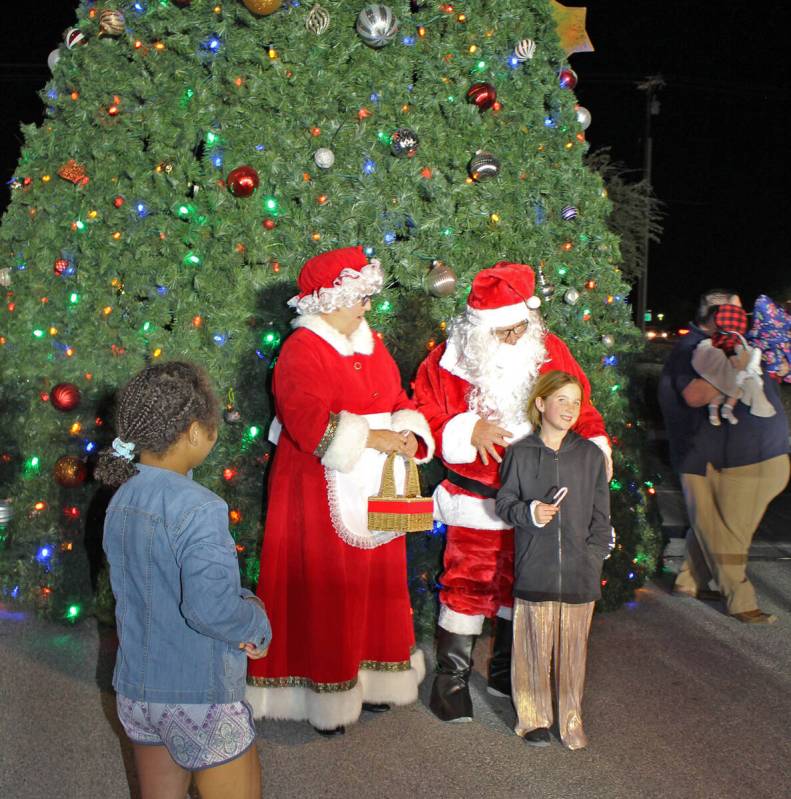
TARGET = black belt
x,y
468,484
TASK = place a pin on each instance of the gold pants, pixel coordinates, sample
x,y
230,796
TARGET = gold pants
x,y
725,508
541,630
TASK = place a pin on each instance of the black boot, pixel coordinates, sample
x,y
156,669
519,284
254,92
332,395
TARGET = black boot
x,y
450,694
500,664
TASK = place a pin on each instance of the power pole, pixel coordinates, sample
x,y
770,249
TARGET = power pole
x,y
651,85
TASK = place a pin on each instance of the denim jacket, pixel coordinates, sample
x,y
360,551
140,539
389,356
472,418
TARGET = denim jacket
x,y
180,608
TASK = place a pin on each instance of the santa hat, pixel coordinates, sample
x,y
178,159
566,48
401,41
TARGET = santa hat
x,y
501,295
336,279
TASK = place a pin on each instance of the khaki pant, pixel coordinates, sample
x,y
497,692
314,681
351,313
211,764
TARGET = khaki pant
x,y
541,630
725,508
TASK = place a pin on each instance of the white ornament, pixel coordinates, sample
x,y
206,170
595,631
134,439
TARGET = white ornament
x,y
571,296
583,116
324,157
73,37
5,277
377,25
53,59
525,50
607,340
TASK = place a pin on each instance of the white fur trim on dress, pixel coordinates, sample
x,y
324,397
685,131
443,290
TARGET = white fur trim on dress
x,y
460,623
457,438
463,510
347,289
415,422
506,316
361,341
348,443
330,709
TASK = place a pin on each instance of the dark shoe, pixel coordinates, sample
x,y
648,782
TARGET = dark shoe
x,y
538,737
706,595
376,707
500,663
450,693
756,616
339,730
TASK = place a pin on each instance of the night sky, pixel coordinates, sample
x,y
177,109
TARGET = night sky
x,y
720,152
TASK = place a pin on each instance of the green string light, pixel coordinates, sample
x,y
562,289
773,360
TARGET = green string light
x,y
74,298
38,333
73,612
271,205
192,259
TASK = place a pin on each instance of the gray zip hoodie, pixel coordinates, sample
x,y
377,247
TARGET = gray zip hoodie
x,y
562,560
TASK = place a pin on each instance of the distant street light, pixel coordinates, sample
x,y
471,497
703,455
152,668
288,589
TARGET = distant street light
x,y
651,85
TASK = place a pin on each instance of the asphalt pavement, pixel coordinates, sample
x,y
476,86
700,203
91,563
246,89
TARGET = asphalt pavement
x,y
681,703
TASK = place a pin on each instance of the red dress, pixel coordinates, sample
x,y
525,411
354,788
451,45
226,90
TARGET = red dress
x,y
478,561
341,617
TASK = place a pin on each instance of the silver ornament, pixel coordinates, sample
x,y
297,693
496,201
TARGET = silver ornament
x,y
318,20
53,58
568,213
6,511
5,277
404,142
231,416
441,280
376,25
483,166
324,157
111,22
607,340
583,116
525,50
545,289
571,296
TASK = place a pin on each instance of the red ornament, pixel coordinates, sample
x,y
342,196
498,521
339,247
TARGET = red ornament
x,y
70,471
567,78
118,201
482,95
65,397
60,266
242,181
269,224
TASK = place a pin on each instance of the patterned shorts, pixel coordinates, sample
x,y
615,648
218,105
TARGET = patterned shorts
x,y
197,736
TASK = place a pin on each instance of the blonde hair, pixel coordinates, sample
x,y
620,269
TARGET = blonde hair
x,y
546,385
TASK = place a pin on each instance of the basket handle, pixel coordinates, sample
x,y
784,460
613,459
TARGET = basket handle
x,y
387,488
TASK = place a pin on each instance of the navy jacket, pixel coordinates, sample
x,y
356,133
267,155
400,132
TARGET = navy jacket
x,y
180,608
561,561
694,442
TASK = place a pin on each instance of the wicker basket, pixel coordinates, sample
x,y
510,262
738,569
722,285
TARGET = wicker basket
x,y
409,513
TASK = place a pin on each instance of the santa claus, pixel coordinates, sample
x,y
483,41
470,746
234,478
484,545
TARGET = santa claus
x,y
473,390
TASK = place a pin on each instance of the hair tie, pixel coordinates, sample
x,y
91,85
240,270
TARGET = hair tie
x,y
123,449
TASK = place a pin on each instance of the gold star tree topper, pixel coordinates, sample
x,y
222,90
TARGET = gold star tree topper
x,y
571,28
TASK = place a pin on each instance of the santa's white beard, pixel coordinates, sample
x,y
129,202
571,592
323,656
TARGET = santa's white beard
x,y
502,375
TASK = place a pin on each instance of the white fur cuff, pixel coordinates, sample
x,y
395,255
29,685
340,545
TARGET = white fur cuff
x,y
463,510
457,439
348,443
603,444
415,422
460,623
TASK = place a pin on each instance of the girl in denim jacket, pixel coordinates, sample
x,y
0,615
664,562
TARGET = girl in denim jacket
x,y
184,622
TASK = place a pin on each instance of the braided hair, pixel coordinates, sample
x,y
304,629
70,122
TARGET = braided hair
x,y
155,407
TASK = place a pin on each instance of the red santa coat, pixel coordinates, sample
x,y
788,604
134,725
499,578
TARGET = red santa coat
x,y
341,616
441,394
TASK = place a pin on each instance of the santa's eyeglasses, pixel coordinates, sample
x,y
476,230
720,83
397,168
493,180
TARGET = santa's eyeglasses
x,y
512,333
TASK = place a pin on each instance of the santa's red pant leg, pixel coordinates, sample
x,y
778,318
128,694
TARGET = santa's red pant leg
x,y
477,580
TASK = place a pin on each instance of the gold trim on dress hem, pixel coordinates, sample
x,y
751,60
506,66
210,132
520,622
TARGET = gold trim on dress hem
x,y
330,687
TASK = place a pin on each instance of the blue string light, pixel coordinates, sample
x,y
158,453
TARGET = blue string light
x,y
369,166
549,122
389,237
141,209
513,62
219,339
44,554
162,290
375,97
139,7
408,40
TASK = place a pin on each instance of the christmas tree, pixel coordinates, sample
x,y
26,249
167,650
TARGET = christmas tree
x,y
195,154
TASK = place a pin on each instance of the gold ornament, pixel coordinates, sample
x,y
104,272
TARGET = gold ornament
x,y
441,280
73,172
111,23
318,20
262,7
570,24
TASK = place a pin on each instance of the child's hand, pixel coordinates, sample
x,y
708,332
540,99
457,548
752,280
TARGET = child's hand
x,y
545,513
254,652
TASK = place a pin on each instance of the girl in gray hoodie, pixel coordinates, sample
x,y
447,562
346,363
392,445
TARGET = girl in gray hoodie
x,y
555,494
